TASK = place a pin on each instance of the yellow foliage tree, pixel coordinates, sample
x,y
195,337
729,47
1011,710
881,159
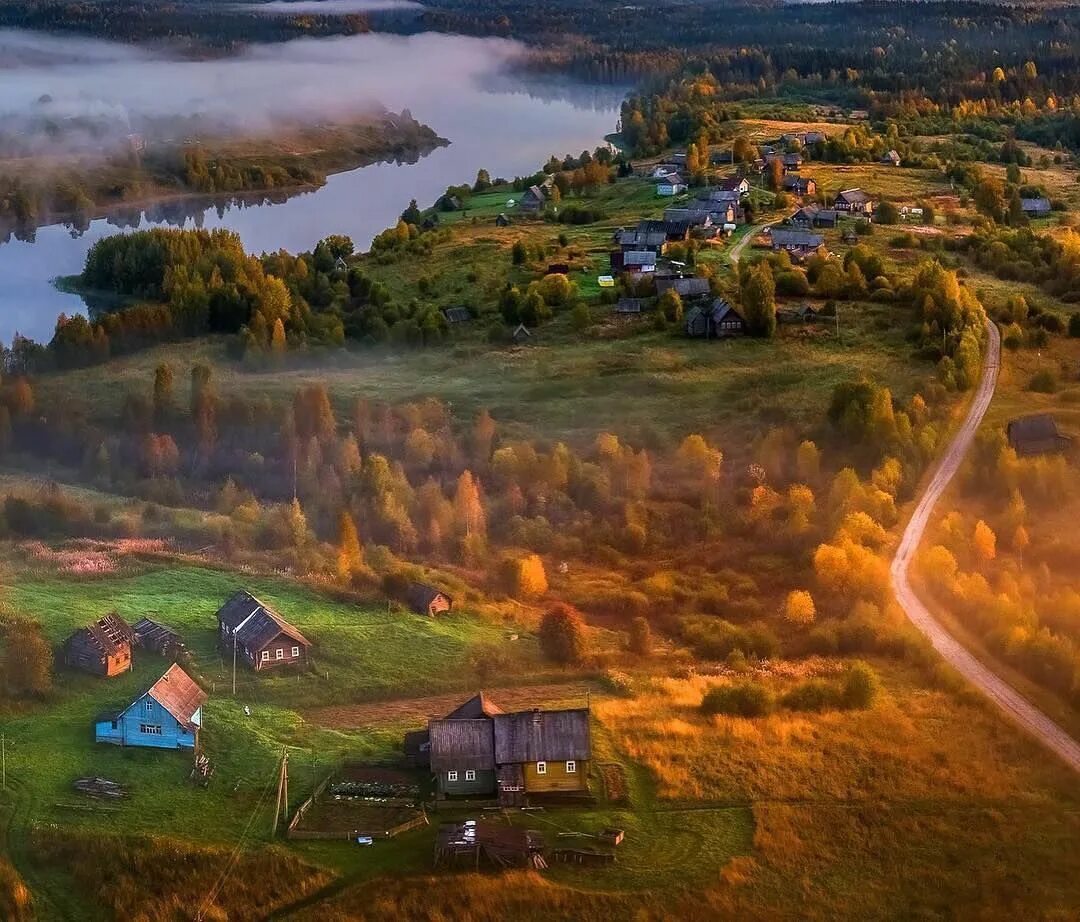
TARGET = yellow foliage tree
x,y
530,578
984,542
799,607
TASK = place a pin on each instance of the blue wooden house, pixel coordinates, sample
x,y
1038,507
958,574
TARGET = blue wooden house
x,y
167,715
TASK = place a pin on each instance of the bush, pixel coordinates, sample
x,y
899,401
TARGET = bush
x,y
1043,381
747,699
640,637
812,695
1074,325
562,635
792,283
860,687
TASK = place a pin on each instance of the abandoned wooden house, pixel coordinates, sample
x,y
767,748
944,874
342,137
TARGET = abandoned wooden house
x,y
1035,207
718,320
156,638
258,635
799,185
168,715
478,750
498,845
102,648
459,314
427,600
1037,434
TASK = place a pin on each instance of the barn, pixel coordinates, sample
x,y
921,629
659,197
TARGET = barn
x,y
427,600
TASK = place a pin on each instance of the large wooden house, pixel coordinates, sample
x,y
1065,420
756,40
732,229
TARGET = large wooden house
x,y
168,715
102,648
258,635
478,751
718,320
854,201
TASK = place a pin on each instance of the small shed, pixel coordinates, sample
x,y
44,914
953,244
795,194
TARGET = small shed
x,y
1035,207
630,305
457,314
502,220
427,600
156,638
1037,434
521,334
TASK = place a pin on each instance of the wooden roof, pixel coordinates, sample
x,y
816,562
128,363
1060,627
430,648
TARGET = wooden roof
x,y
254,623
109,635
479,705
542,736
462,744
178,693
149,633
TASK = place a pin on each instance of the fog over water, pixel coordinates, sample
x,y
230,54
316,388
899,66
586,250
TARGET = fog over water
x,y
459,86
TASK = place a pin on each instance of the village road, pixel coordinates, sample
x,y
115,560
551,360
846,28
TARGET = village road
x,y
1010,701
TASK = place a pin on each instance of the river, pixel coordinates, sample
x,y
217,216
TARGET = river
x,y
458,86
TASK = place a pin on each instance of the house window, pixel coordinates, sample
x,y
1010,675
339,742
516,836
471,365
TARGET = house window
x,y
150,729
116,725
266,656
148,706
279,653
571,768
451,776
295,651
470,775
541,768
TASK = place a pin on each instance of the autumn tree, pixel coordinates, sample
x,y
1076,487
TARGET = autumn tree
x,y
671,306
350,557
640,636
562,635
984,542
525,577
758,297
799,607
164,400
26,660
203,410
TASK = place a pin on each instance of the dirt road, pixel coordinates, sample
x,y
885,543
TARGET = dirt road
x,y
1015,706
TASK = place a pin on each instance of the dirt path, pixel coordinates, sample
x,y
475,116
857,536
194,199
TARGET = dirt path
x,y
401,710
1007,698
736,251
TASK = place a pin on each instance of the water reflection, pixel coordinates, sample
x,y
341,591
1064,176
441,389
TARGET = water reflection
x,y
507,126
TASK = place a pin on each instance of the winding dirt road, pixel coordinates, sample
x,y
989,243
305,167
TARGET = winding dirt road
x,y
1010,701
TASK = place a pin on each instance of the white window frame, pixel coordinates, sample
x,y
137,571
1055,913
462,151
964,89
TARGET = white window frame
x,y
279,653
295,651
148,706
470,774
150,729
571,767
541,768
266,656
451,776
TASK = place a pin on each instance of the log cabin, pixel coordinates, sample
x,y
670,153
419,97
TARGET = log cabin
x,y
258,635
102,648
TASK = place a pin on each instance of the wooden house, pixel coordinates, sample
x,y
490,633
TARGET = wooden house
x,y
460,314
168,715
796,240
539,752
892,158
477,750
640,239
258,635
533,199
718,320
1037,434
1035,207
815,216
521,334
687,288
630,306
427,600
799,185
854,201
156,638
102,648
740,185
669,185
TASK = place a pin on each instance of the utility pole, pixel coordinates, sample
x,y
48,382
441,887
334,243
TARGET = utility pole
x,y
3,758
234,663
838,323
281,808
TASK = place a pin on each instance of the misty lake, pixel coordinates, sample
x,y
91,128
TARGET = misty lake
x,y
458,86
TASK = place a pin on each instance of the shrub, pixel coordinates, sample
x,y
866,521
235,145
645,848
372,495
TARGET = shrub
x,y
640,637
746,699
812,695
1043,381
792,283
860,687
1074,325
562,635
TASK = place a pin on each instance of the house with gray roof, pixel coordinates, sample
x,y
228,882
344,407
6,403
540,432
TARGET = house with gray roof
x,y
1035,207
257,635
